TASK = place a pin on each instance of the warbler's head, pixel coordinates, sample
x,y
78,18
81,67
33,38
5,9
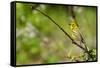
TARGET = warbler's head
x,y
73,25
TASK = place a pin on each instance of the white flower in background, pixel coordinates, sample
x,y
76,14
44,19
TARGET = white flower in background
x,y
78,9
43,6
19,32
29,31
23,18
34,12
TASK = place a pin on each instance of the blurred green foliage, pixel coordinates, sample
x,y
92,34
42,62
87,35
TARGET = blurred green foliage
x,y
39,41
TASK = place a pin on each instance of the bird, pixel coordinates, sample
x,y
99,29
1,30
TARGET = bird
x,y
76,34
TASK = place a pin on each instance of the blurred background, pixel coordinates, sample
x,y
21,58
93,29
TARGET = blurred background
x,y
39,41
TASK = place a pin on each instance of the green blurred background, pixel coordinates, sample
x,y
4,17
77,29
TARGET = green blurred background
x,y
39,41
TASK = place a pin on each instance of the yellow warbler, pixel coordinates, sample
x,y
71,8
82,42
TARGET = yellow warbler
x,y
75,31
76,35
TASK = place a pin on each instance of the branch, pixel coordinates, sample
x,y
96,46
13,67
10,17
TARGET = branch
x,y
55,23
73,41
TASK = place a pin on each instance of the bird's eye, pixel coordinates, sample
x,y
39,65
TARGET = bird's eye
x,y
69,24
72,24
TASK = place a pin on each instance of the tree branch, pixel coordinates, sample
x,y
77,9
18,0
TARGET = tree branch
x,y
73,41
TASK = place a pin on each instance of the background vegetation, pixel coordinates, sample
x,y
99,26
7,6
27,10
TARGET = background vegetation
x,y
39,41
